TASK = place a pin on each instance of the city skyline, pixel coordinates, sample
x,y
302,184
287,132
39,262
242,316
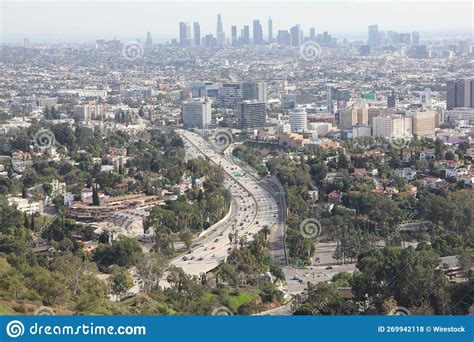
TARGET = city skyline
x,y
25,19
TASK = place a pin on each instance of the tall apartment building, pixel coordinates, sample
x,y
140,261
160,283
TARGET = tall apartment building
x,y
90,112
253,114
362,115
371,114
347,118
392,126
298,120
424,123
197,113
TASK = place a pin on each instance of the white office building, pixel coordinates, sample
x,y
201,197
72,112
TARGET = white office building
x,y
298,120
197,113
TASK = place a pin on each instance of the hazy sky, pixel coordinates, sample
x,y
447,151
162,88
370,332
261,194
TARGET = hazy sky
x,y
78,20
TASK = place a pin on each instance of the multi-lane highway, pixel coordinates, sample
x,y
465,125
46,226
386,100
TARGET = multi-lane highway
x,y
253,207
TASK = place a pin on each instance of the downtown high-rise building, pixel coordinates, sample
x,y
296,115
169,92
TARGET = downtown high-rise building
x,y
296,35
233,35
415,38
185,34
149,40
373,35
270,30
197,34
257,33
220,35
246,35
284,38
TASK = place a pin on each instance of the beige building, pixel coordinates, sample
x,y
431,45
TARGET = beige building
x,y
371,114
424,123
392,126
347,118
363,116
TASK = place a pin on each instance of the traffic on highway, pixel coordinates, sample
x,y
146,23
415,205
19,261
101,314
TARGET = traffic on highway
x,y
253,207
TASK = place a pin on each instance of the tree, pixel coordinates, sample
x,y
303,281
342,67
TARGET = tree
x,y
120,281
265,230
150,270
187,238
95,195
124,252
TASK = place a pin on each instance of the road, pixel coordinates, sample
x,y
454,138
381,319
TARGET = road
x,y
273,186
254,207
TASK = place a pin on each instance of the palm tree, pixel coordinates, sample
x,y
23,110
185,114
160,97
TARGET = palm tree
x,y
266,230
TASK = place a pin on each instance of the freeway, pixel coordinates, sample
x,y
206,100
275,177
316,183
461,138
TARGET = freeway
x,y
277,236
253,207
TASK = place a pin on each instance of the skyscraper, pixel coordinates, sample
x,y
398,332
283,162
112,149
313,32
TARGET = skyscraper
x,y
149,41
270,30
233,35
373,35
253,114
185,34
197,34
312,34
463,92
284,38
220,35
257,33
295,32
219,24
182,33
415,38
246,35
26,43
